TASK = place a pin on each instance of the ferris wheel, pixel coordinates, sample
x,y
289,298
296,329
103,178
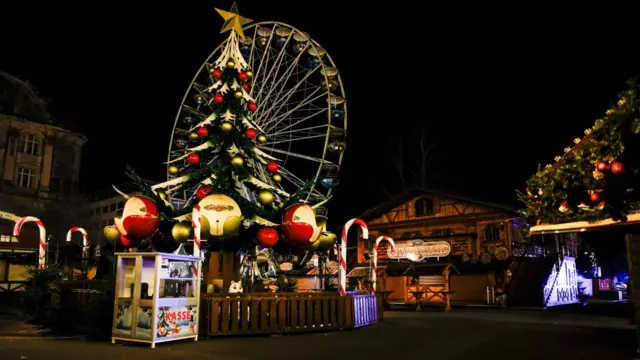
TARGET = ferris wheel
x,y
301,109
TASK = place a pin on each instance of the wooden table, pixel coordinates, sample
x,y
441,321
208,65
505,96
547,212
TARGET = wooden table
x,y
385,299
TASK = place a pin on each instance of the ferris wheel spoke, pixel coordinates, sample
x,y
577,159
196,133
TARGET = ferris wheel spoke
x,y
300,105
310,129
275,69
289,153
281,101
297,122
295,139
282,81
266,52
290,177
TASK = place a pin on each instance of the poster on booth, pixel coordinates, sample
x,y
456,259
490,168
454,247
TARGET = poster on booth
x,y
123,319
144,324
176,321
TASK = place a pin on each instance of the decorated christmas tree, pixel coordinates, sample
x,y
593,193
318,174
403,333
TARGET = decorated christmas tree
x,y
236,184
598,177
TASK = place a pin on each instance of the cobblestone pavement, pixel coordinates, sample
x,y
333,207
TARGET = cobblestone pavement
x,y
463,334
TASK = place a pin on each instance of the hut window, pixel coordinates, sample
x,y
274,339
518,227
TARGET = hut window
x,y
423,207
492,233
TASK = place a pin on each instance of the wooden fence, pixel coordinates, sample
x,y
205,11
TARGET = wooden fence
x,y
249,314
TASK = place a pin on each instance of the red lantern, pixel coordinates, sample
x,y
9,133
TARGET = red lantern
x,y
216,74
253,107
203,191
242,76
267,237
250,134
272,167
218,99
245,87
202,131
602,166
193,159
595,197
617,167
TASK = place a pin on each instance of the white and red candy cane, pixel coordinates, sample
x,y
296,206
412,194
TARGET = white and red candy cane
x,y
42,261
85,240
343,250
195,222
374,268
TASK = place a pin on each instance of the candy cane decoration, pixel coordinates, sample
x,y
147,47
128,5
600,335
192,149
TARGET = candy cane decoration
x,y
374,269
42,262
343,250
84,239
195,222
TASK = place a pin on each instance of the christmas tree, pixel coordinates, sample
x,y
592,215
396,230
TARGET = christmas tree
x,y
599,176
235,183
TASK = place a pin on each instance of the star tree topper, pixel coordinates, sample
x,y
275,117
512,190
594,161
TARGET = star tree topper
x,y
233,21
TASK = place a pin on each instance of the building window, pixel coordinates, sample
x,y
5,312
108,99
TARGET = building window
x,y
28,144
112,208
424,207
104,223
98,211
492,233
105,209
121,205
26,178
5,238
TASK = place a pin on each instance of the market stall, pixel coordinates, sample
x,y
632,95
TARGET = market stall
x,y
157,298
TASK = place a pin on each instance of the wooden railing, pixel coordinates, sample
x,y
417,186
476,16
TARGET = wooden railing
x,y
285,313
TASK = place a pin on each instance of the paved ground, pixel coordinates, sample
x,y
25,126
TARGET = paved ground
x,y
463,334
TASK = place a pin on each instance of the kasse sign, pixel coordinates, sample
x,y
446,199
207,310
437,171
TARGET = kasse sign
x,y
419,250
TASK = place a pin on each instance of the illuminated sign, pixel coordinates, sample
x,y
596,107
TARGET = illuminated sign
x,y
286,266
418,250
562,284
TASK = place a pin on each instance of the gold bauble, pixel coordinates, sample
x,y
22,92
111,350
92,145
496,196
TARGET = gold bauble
x,y
111,233
173,170
324,242
220,218
249,74
238,94
237,160
231,64
277,178
265,197
193,136
262,139
226,126
622,101
181,232
609,112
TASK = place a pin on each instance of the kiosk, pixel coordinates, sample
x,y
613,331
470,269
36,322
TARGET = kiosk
x,y
157,298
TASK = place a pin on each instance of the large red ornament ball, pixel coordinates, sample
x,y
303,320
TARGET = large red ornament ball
x,y
140,220
595,197
242,76
272,167
216,74
218,99
617,167
253,107
193,159
250,134
299,225
602,166
202,131
267,237
245,87
203,191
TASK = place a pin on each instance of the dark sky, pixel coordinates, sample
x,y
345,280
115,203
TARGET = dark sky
x,y
499,93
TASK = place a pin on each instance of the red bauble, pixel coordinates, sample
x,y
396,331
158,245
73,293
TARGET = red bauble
x,y
218,99
267,237
202,131
253,106
250,134
602,166
564,204
203,191
140,220
242,76
245,87
272,167
217,74
193,159
595,197
299,225
617,167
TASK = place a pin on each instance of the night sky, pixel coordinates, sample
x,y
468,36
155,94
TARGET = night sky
x,y
497,94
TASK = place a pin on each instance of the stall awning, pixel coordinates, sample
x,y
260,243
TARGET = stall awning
x,y
359,271
579,226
